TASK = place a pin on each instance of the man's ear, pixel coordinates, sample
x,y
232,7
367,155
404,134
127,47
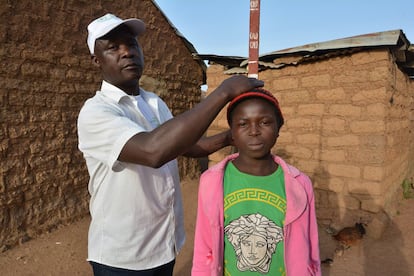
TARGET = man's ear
x,y
95,61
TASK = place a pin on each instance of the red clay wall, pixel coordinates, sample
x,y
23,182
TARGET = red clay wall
x,y
45,76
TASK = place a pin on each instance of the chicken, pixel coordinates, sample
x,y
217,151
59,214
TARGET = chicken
x,y
349,236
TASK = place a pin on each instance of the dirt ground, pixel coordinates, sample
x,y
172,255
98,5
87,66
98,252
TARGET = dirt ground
x,y
63,252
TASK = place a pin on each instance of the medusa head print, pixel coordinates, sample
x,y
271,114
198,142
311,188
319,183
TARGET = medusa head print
x,y
254,239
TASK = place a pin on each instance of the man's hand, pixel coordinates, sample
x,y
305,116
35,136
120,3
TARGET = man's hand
x,y
235,85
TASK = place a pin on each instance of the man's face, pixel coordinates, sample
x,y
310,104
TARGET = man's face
x,y
120,58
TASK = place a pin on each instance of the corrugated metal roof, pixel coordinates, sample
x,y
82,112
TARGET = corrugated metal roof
x,y
395,40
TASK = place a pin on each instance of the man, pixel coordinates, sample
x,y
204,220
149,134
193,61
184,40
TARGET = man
x,y
130,141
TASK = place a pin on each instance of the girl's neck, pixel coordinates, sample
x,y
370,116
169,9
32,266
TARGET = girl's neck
x,y
258,167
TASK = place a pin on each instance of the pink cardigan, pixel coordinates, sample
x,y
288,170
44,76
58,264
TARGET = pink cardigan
x,y
300,230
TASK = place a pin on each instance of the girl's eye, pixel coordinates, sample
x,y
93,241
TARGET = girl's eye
x,y
266,122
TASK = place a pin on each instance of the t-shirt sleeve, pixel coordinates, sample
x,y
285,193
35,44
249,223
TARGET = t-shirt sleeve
x,y
103,132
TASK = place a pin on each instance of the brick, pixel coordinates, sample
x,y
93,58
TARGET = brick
x,y
334,94
344,170
285,83
322,198
397,125
374,141
366,188
347,110
311,109
284,138
287,111
367,126
301,151
373,95
69,61
300,123
57,73
35,55
20,99
334,124
332,155
377,110
373,205
367,156
306,165
346,202
16,132
373,173
379,73
336,184
316,81
343,141
74,75
333,184
308,139
35,70
297,96
369,57
351,77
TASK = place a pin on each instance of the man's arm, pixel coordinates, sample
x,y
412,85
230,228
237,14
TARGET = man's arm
x,y
209,145
176,136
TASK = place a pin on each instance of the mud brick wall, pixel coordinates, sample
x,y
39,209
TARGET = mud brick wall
x,y
348,125
45,77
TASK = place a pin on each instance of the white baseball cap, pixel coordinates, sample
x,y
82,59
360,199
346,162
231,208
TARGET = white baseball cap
x,y
103,25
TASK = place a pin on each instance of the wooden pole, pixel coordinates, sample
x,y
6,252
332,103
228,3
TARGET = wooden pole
x,y
253,65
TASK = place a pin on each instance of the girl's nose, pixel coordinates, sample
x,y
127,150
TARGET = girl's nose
x,y
254,129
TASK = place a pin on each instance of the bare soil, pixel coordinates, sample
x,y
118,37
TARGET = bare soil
x,y
64,251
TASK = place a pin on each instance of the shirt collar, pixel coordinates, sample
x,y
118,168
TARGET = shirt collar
x,y
113,92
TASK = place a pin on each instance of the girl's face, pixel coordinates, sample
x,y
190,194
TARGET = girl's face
x,y
254,128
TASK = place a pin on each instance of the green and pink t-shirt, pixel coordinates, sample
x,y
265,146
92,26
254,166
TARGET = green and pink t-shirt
x,y
254,214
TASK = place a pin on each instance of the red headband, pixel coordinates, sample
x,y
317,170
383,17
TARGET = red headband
x,y
257,93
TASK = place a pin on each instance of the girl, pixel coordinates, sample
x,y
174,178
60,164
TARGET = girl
x,y
256,213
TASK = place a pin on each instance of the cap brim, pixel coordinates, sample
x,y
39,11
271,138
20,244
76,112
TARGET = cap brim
x,y
137,26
